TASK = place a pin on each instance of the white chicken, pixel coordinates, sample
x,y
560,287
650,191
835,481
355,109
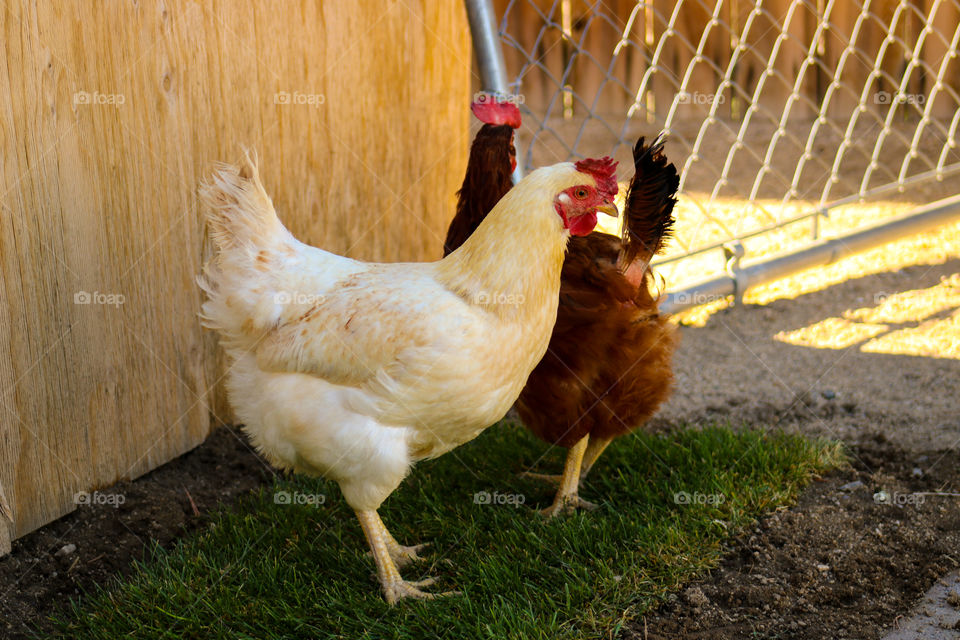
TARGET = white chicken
x,y
354,370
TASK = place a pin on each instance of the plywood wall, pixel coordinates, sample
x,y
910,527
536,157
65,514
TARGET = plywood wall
x,y
110,113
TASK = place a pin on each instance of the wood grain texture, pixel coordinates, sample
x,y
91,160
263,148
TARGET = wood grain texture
x,y
110,114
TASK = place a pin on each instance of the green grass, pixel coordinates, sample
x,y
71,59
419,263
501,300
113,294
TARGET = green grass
x,y
266,570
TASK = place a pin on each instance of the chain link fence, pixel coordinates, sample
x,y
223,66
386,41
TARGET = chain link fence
x,y
791,120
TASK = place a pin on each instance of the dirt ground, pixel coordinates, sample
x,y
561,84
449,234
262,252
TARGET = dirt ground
x,y
95,543
866,351
875,353
846,562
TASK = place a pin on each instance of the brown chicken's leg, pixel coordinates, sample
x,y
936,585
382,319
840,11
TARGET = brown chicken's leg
x,y
570,487
567,498
594,449
380,541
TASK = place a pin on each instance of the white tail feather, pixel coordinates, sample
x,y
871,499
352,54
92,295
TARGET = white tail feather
x,y
239,211
246,231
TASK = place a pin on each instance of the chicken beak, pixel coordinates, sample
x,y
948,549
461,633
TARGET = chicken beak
x,y
610,209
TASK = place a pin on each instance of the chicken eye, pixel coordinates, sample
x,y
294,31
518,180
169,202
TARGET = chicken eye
x,y
581,193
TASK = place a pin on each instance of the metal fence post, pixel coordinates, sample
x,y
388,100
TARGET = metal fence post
x,y
486,47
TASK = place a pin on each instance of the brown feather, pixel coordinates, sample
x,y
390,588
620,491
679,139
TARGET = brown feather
x,y
607,369
487,180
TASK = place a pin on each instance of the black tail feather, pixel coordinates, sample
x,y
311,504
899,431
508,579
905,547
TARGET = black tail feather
x,y
651,196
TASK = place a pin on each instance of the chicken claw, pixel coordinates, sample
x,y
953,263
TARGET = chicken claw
x,y
579,461
403,555
398,589
387,554
550,478
567,505
570,503
567,499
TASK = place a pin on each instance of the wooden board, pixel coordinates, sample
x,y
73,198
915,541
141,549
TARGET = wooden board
x,y
110,114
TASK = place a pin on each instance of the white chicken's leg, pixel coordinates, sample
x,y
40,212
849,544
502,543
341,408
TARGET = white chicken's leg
x,y
402,555
379,539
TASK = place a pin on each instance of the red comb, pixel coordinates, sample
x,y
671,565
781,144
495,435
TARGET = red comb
x,y
491,110
604,172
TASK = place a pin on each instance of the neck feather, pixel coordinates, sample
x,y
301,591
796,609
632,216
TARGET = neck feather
x,y
511,264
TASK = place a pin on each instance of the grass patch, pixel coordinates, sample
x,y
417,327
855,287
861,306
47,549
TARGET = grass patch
x,y
268,570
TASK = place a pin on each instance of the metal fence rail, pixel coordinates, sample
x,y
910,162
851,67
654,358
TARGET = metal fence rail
x,y
790,119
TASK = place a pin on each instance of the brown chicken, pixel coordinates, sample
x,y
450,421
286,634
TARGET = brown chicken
x,y
608,366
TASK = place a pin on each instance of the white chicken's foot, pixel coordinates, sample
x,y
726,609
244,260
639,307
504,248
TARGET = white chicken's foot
x,y
394,586
402,555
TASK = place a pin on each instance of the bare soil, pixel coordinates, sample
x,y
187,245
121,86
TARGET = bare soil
x,y
864,351
739,364
96,543
841,564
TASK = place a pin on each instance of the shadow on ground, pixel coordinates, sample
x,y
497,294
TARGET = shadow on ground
x,y
734,367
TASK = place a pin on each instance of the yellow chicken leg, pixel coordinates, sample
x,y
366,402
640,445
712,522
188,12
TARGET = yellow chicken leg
x,y
567,498
384,547
594,449
580,459
401,555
